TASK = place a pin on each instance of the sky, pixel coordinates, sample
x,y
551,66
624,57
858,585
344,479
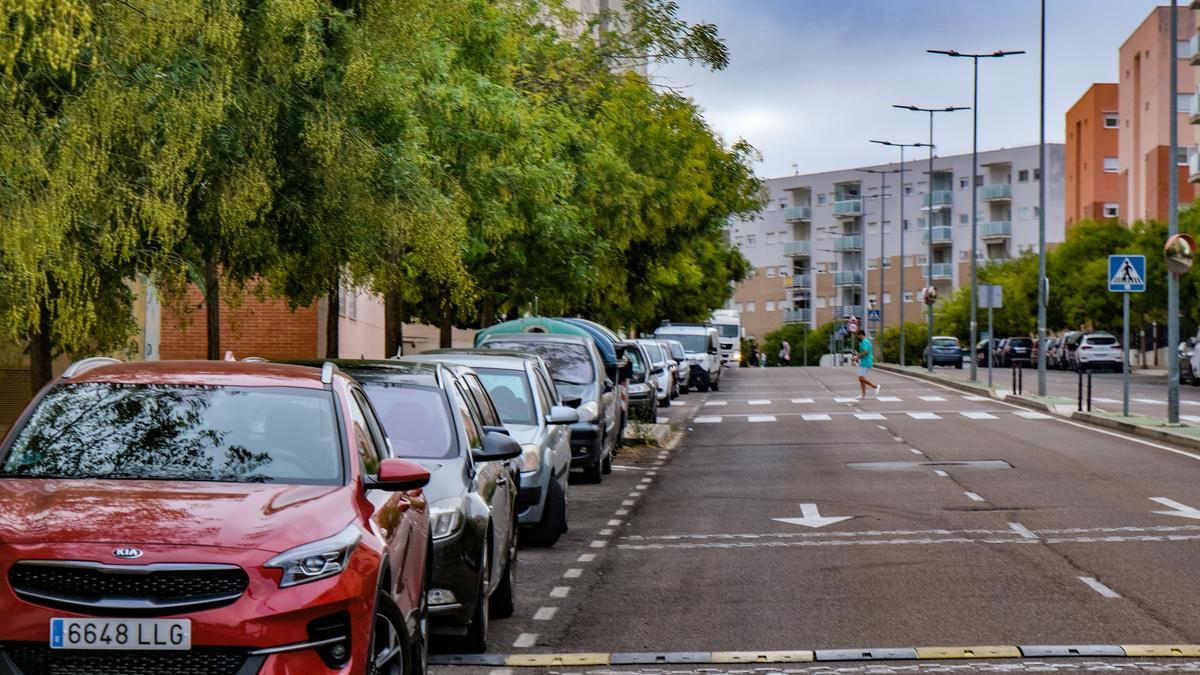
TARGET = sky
x,y
811,81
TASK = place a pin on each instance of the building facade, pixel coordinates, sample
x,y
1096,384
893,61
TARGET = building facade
x,y
816,246
1144,144
1092,164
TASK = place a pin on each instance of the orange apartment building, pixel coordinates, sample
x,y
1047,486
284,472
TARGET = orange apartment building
x,y
1091,166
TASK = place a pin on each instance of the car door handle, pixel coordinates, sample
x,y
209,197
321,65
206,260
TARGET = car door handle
x,y
503,479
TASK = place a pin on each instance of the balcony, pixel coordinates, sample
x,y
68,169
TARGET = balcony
x,y
852,278
1194,165
1193,54
798,315
938,200
795,213
996,192
943,270
996,229
797,248
801,282
1194,116
852,242
941,234
848,208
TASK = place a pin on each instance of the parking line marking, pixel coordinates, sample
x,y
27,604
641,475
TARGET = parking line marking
x,y
621,512
647,480
869,416
635,495
924,416
598,543
526,640
627,502
1032,415
639,487
974,497
614,523
760,418
586,557
662,420
941,473
560,591
545,613
606,532
844,399
815,418
976,415
573,573
1099,587
802,400
1022,530
716,403
888,399
707,420
897,439
759,402
914,451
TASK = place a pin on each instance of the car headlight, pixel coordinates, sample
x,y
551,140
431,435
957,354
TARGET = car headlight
x,y
737,356
588,412
446,517
318,560
531,458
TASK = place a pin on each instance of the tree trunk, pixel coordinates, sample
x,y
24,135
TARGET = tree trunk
x,y
447,324
487,313
212,306
41,354
332,319
393,324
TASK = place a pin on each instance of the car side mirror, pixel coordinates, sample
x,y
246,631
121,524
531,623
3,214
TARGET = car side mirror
x,y
561,414
608,386
398,475
573,402
657,371
496,430
497,447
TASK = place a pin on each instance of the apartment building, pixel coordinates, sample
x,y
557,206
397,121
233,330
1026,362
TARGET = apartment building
x,y
816,247
1092,160
1193,53
1144,93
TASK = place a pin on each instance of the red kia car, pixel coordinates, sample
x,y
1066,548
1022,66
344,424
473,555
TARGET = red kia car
x,y
212,518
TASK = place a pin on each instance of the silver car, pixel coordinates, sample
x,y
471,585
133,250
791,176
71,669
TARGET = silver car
x,y
683,366
660,369
523,392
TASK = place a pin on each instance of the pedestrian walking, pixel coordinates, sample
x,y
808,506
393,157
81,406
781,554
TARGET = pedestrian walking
x,y
866,360
785,353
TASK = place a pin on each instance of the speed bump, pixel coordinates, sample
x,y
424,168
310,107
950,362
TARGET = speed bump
x,y
1161,650
762,657
543,660
988,652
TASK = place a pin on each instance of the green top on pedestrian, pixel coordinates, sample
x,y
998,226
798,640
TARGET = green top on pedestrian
x,y
867,360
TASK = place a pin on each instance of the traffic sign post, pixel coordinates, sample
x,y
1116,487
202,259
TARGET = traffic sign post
x,y
991,296
1126,274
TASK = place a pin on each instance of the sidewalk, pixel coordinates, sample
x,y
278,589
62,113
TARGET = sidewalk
x,y
1153,428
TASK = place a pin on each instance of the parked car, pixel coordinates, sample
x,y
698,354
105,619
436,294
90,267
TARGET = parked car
x,y
946,352
984,349
998,353
641,383
703,348
683,365
1069,349
249,516
1052,344
1189,373
1017,351
579,377
660,371
521,388
1099,349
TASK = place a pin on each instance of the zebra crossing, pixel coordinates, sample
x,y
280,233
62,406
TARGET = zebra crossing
x,y
976,415
714,403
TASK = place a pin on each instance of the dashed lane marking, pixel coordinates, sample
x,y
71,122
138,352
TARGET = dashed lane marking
x,y
973,415
560,591
924,416
761,418
545,613
914,451
869,416
586,557
716,403
802,400
976,398
974,497
888,399
614,523
941,473
815,418
621,512
573,573
526,640
1100,588
759,402
845,399
606,532
931,398
707,420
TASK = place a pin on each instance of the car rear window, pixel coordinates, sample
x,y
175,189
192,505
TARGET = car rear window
x,y
416,419
945,342
692,344
1021,342
568,363
1101,340
676,351
180,432
510,394
655,351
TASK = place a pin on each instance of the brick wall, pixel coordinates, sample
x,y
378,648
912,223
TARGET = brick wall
x,y
253,328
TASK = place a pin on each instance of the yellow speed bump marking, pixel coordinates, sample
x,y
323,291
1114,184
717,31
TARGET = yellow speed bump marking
x,y
991,652
761,657
540,660
1161,650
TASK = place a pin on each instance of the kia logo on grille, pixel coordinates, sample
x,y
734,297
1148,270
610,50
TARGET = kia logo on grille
x,y
128,552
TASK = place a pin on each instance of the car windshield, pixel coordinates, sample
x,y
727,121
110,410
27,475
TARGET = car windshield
x,y
416,419
180,432
676,351
727,330
568,363
654,350
510,393
692,344
945,342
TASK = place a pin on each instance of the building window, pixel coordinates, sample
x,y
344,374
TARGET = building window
x,y
963,219
347,301
821,199
963,255
820,268
921,259
783,270
908,189
908,296
963,183
873,263
907,224
1023,213
1037,174
1111,165
978,180
1181,156
770,238
737,241
770,306
833,266
1183,49
1183,102
1037,212
739,307
770,272
820,303
1111,120
749,240
749,307
887,263
1023,176
1112,210
907,262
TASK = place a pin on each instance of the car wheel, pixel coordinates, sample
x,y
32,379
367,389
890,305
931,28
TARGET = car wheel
x,y
475,641
554,519
390,651
592,473
703,386
958,365
716,385
504,600
606,465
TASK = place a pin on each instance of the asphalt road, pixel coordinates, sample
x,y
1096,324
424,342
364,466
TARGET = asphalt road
x,y
968,522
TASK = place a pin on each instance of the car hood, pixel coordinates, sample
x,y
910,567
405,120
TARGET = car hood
x,y
447,478
230,515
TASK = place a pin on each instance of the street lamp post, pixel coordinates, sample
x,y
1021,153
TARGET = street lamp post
x,y
974,172
882,250
929,222
902,146
1172,229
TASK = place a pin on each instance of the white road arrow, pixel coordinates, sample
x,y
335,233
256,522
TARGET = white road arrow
x,y
813,518
1181,510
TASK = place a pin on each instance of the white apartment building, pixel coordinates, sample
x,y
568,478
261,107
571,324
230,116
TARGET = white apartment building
x,y
818,233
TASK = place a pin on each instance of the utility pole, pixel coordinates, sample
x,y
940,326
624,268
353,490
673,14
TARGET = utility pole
x,y
882,249
1173,227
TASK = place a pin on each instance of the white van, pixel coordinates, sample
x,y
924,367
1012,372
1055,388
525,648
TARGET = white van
x,y
702,344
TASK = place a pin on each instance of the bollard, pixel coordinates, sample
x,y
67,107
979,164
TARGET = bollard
x,y
1080,396
1020,380
1014,378
1089,391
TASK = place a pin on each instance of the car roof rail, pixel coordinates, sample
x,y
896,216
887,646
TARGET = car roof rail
x,y
327,370
254,359
83,365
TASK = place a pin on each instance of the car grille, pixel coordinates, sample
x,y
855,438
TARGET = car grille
x,y
31,659
130,590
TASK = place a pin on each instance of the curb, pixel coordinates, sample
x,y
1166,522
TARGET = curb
x,y
969,388
1137,430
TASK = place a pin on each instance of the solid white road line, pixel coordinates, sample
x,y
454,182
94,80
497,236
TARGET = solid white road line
x,y
924,416
869,416
526,640
1147,400
815,418
1032,415
707,420
759,402
760,418
1099,587
802,400
977,398
973,497
560,591
1097,399
1022,530
941,473
586,557
716,403
1190,418
931,398
573,573
977,415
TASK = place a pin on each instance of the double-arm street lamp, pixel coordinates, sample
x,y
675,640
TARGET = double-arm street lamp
x,y
929,221
974,172
882,251
902,146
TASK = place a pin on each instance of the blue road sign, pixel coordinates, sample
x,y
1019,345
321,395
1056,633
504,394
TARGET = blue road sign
x,y
1127,273
873,314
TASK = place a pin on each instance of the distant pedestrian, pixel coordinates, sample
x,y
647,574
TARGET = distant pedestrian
x,y
785,353
866,360
762,359
753,360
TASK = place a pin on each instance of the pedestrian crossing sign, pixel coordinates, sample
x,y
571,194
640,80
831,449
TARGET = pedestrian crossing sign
x,y
1127,273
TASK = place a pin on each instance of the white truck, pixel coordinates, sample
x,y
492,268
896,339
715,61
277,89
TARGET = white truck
x,y
728,323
